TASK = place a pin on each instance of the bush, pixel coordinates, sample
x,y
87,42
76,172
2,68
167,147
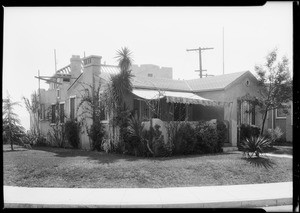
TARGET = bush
x,y
247,131
255,145
275,135
207,138
72,130
222,134
96,135
185,139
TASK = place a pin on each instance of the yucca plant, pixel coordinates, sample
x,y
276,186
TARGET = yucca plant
x,y
255,145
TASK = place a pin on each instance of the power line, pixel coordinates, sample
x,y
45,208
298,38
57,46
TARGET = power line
x,y
200,58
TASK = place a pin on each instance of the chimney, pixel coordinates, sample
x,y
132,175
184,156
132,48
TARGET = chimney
x,y
75,66
92,64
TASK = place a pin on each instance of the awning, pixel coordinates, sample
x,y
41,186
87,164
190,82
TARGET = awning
x,y
175,97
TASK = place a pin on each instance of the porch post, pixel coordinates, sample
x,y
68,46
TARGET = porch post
x,y
233,123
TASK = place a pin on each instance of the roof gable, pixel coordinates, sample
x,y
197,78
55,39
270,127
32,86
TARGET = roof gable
x,y
218,82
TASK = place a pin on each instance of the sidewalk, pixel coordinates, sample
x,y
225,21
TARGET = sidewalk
x,y
233,196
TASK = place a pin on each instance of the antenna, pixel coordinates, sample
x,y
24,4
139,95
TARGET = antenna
x,y
200,59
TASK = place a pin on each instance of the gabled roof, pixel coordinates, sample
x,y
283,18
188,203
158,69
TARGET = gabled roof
x,y
218,82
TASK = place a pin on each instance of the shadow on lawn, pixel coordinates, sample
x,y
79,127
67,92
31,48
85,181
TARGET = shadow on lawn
x,y
261,162
105,158
101,157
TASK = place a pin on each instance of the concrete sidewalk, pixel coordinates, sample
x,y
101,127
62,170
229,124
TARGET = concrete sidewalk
x,y
233,196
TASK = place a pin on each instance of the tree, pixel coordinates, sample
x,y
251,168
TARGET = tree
x,y
33,109
118,87
92,108
11,123
276,85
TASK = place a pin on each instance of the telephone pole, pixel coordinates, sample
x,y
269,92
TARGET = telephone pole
x,y
200,59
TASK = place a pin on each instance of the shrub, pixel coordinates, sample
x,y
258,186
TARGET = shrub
x,y
185,139
247,131
157,144
275,135
222,134
72,130
255,145
207,138
96,134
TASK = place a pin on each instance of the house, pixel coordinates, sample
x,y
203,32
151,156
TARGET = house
x,y
216,97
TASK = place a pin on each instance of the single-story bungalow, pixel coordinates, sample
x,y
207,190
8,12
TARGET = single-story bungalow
x,y
216,97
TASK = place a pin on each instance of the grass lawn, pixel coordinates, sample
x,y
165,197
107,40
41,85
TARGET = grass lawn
x,y
287,150
53,167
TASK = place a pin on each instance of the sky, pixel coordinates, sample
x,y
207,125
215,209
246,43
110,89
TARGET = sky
x,y
155,35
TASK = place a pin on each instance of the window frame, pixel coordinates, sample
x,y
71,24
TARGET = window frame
x,y
278,117
61,103
71,97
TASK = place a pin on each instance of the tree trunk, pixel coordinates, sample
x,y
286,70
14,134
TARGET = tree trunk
x,y
264,120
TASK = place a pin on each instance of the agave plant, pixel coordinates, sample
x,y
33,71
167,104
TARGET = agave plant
x,y
255,145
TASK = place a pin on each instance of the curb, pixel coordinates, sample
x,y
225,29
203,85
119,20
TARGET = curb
x,y
231,204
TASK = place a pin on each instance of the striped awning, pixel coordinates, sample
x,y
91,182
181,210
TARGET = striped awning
x,y
175,97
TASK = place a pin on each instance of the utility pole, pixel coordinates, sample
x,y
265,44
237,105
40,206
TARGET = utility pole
x,y
200,59
39,106
223,53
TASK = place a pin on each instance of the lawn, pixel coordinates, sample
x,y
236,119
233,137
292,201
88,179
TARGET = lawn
x,y
54,167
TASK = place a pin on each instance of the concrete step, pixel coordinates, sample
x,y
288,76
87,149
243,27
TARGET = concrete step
x,y
230,148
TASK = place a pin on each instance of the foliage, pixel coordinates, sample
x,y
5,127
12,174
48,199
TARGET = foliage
x,y
96,134
255,145
202,138
276,85
57,132
12,131
92,108
247,131
185,139
114,97
207,138
222,134
72,130
275,135
32,107
35,140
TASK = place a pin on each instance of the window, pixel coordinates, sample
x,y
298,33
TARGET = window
x,y
150,75
62,113
53,108
280,114
247,113
57,93
72,108
42,112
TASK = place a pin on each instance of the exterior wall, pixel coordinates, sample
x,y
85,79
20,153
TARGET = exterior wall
x,y
49,97
150,70
285,124
231,95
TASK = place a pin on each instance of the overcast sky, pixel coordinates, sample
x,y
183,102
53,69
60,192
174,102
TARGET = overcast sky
x,y
155,35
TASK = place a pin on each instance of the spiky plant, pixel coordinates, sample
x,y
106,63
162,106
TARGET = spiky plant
x,y
255,145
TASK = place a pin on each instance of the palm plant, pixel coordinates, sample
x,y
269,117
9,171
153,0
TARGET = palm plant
x,y
255,145
10,121
119,86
